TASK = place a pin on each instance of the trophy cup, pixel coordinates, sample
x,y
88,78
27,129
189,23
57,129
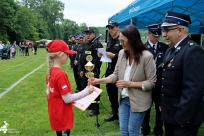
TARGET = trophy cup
x,y
89,67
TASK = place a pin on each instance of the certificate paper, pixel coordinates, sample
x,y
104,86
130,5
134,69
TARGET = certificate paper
x,y
104,58
83,103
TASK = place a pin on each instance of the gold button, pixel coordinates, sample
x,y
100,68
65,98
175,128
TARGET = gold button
x,y
172,66
164,70
162,94
162,78
162,86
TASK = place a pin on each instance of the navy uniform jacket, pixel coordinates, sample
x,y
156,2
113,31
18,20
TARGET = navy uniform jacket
x,y
91,48
183,85
114,47
158,57
78,55
74,48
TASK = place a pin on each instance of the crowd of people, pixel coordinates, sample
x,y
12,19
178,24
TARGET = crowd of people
x,y
170,75
10,50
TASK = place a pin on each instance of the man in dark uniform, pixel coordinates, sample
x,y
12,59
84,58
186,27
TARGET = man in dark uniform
x,y
73,66
182,105
158,50
71,41
77,60
112,50
91,48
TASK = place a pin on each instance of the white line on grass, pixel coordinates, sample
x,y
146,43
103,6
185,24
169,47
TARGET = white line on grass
x,y
20,64
20,80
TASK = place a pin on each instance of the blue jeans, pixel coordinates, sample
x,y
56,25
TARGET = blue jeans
x,y
130,122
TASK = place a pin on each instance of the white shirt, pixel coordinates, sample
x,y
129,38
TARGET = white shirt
x,y
151,44
175,46
124,92
1,47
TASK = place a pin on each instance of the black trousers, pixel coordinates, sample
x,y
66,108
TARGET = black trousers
x,y
59,133
158,123
176,130
9,54
76,77
112,91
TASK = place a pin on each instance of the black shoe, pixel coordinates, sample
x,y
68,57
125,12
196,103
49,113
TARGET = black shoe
x,y
112,117
92,113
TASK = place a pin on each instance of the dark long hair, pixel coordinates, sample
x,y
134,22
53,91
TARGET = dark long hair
x,y
134,41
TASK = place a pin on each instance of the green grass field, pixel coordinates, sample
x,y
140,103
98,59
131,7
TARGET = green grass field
x,y
24,106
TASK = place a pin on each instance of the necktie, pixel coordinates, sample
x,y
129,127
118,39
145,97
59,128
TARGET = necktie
x,y
154,48
172,50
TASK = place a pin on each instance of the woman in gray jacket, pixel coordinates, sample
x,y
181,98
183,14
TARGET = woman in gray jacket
x,y
135,76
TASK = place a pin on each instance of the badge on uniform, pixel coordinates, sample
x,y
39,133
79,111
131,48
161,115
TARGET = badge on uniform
x,y
116,44
169,65
87,52
159,54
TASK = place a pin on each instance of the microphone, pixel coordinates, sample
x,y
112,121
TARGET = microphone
x,y
97,37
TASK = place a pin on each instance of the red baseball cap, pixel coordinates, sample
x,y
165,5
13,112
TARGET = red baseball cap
x,y
59,45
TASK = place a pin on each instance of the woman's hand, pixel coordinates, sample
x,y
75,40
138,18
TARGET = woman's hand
x,y
95,81
123,84
90,89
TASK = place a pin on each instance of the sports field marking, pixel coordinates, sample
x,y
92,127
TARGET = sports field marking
x,y
20,80
20,64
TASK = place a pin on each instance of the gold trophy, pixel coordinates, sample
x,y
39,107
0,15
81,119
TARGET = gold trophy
x,y
89,67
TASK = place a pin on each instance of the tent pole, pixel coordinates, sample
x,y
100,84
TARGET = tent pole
x,y
131,21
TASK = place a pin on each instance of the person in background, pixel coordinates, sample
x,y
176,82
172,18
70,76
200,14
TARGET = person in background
x,y
15,46
26,49
158,50
182,105
112,50
8,47
77,59
75,67
90,49
135,76
35,47
13,51
1,47
22,46
59,94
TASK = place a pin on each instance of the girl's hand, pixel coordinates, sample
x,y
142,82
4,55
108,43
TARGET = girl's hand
x,y
90,89
123,84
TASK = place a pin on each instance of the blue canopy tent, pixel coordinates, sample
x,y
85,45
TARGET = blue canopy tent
x,y
141,13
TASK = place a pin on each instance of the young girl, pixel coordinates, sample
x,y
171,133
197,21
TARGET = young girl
x,y
13,51
59,95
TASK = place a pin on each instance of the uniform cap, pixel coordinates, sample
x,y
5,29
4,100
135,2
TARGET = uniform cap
x,y
59,45
112,23
89,29
174,18
154,29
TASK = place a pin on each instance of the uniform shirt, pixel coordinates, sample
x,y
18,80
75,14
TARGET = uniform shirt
x,y
60,113
151,44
